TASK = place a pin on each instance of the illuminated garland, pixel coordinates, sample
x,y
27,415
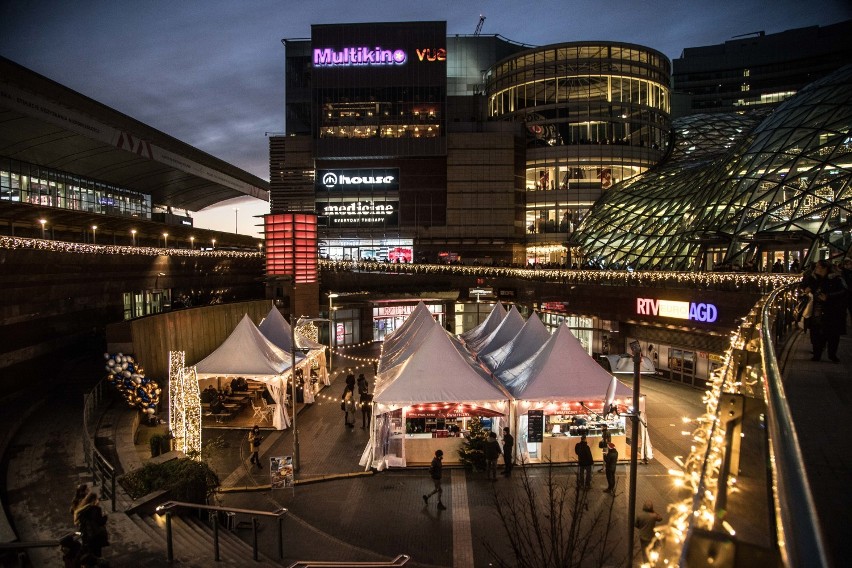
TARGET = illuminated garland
x,y
184,406
320,398
78,248
700,473
755,281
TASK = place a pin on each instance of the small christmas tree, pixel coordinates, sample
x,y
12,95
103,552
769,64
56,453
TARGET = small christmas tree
x,y
472,452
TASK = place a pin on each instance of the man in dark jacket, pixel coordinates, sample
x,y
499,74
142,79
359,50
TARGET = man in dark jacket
x,y
585,461
828,316
435,472
492,452
611,461
508,451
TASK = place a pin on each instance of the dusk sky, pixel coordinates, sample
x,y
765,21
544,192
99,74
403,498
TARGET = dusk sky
x,y
211,73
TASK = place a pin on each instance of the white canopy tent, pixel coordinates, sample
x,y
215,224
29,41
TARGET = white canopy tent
x,y
623,365
247,353
483,330
520,348
429,371
400,344
277,330
502,334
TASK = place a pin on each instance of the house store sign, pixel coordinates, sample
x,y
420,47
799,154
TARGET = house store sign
x,y
695,311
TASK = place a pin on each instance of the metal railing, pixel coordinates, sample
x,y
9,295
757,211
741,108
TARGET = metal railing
x,y
103,472
400,560
169,506
746,475
23,546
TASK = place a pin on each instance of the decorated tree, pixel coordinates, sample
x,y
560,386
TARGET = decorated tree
x,y
472,452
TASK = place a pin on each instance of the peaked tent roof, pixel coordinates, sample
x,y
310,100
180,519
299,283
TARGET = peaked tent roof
x,y
560,370
508,328
623,364
520,348
398,345
435,372
483,330
277,330
245,353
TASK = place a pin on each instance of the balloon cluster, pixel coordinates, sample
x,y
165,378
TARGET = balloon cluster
x,y
129,378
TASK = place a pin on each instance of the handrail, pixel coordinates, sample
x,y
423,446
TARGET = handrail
x,y
747,415
798,521
99,465
400,560
167,508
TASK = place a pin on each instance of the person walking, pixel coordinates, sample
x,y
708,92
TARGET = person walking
x,y
646,520
508,452
585,461
435,472
606,438
255,439
348,407
828,315
492,452
364,400
611,463
91,520
79,494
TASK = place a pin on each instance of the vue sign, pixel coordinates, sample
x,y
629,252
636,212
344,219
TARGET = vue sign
x,y
695,311
432,54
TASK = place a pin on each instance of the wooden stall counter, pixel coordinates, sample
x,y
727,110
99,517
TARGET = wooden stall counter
x,y
560,449
420,449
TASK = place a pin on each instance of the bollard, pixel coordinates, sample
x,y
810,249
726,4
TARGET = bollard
x,y
254,538
170,551
216,537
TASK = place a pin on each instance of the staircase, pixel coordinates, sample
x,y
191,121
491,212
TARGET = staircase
x,y
192,542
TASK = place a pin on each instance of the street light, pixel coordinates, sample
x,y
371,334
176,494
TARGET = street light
x,y
192,243
296,459
636,349
165,240
43,222
236,218
133,236
94,234
331,329
214,243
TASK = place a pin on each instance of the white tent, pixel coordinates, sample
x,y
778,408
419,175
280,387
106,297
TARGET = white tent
x,y
520,348
502,334
430,369
483,330
399,344
561,370
277,330
247,353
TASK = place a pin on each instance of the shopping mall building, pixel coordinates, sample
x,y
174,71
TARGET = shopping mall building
x,y
413,145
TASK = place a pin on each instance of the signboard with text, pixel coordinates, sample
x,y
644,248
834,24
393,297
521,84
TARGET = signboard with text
x,y
535,426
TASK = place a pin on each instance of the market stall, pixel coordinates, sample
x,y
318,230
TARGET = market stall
x,y
561,393
426,392
502,334
483,330
248,354
311,372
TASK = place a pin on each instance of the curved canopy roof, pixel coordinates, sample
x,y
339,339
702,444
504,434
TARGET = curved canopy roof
x,y
48,124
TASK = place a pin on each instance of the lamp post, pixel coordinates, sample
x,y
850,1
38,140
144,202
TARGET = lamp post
x,y
133,236
214,244
192,243
636,348
165,240
43,222
236,219
94,234
331,329
296,460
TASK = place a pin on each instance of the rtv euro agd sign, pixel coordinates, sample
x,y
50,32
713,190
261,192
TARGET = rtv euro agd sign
x,y
695,311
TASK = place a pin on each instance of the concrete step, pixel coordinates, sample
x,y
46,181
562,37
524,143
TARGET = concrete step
x,y
155,536
229,545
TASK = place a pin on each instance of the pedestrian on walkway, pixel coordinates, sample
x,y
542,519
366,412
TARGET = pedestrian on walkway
x,y
606,438
585,461
79,495
492,452
255,439
645,521
611,463
348,407
436,472
508,452
91,521
364,400
70,550
828,316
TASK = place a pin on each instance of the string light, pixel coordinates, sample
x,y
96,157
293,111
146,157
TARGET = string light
x,y
184,406
78,248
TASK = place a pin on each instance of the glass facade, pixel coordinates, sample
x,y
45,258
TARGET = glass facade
x,y
737,191
594,114
22,182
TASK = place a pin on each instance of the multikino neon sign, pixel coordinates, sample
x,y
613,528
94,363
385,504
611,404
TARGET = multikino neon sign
x,y
355,56
695,311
